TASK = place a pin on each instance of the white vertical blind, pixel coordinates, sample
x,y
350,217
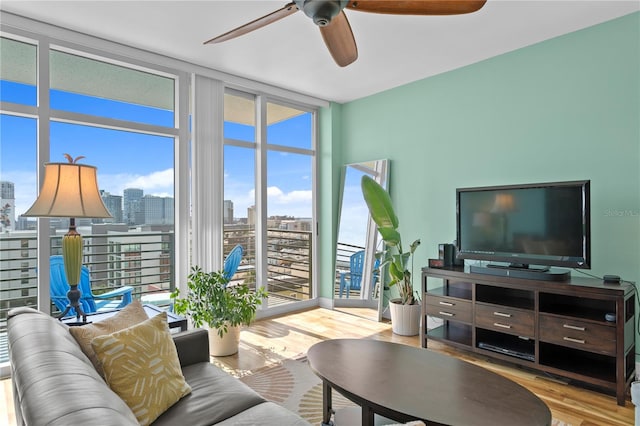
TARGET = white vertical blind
x,y
207,173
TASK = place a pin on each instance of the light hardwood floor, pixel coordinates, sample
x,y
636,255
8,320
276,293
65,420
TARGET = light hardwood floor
x,y
269,341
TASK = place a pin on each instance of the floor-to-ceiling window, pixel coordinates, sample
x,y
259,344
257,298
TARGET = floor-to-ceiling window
x,y
122,118
269,180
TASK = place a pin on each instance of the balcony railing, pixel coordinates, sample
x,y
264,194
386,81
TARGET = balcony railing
x,y
289,267
145,261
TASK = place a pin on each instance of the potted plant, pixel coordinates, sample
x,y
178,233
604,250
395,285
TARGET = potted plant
x,y
223,308
404,310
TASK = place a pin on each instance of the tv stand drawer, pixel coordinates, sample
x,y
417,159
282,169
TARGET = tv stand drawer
x,y
566,331
519,322
449,308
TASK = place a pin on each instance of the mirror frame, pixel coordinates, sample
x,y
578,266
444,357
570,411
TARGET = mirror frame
x,y
379,170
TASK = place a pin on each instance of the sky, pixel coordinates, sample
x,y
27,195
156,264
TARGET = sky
x,y
352,227
132,160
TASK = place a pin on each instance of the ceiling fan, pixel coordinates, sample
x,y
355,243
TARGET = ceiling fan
x,y
335,29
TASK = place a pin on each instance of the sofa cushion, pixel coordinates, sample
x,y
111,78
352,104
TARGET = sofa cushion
x,y
215,396
131,314
53,381
141,365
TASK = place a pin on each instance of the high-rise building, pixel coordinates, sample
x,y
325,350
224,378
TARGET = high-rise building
x,y
153,210
7,207
251,215
168,210
228,211
113,203
157,210
133,213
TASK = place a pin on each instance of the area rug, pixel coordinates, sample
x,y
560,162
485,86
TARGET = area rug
x,y
292,384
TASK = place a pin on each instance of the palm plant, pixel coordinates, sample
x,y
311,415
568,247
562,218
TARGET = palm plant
x,y
398,261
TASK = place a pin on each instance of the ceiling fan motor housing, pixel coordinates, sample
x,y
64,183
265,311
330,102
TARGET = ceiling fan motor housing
x,y
321,11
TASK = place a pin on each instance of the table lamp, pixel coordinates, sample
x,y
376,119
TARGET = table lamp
x,y
70,190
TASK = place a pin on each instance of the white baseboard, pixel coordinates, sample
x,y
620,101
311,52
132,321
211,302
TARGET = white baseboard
x,y
325,302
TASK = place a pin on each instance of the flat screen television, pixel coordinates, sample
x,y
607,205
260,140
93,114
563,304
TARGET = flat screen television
x,y
531,227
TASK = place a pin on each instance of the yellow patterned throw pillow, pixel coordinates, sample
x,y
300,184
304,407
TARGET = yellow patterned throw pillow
x,y
141,365
131,314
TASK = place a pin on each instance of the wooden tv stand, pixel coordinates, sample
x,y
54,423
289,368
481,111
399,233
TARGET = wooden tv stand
x,y
555,327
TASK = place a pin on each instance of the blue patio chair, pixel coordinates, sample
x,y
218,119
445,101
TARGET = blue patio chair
x,y
232,261
58,288
352,280
163,298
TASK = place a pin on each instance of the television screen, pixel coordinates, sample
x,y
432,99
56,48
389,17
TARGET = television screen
x,y
535,224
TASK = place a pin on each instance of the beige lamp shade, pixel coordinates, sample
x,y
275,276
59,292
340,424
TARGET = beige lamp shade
x,y
69,190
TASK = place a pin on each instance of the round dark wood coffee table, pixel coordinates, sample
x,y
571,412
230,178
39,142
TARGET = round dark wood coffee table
x,y
405,383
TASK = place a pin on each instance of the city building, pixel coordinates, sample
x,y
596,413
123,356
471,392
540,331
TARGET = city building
x,y
7,206
157,210
251,216
132,206
228,211
113,203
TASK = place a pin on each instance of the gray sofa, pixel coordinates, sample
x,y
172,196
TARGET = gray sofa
x,y
54,383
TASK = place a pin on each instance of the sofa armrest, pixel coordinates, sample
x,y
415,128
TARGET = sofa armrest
x,y
192,346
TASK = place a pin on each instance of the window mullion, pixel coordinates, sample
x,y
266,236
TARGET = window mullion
x,y
42,156
261,193
111,123
181,184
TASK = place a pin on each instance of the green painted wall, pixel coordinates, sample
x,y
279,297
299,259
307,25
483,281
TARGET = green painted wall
x,y
330,162
564,109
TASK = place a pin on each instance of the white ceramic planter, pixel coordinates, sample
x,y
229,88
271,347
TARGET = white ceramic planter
x,y
635,398
405,319
225,345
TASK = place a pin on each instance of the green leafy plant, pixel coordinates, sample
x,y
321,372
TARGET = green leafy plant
x,y
211,301
398,261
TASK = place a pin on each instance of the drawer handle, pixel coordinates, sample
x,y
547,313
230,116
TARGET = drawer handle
x,y
502,314
446,303
446,314
571,339
573,327
497,324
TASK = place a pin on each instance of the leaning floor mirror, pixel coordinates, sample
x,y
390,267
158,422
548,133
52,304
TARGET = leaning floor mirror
x,y
357,285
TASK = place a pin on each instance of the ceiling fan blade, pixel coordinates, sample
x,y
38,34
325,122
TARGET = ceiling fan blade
x,y
339,40
287,10
417,7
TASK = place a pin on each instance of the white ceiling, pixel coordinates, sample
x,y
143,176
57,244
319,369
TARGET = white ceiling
x,y
290,53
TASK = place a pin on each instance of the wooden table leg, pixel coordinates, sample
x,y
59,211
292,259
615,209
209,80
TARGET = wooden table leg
x,y
327,411
367,415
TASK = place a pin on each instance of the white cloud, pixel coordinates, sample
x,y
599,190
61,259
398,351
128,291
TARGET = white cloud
x,y
156,180
277,196
295,203
159,183
274,192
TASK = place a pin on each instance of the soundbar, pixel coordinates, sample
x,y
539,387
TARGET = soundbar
x,y
531,274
